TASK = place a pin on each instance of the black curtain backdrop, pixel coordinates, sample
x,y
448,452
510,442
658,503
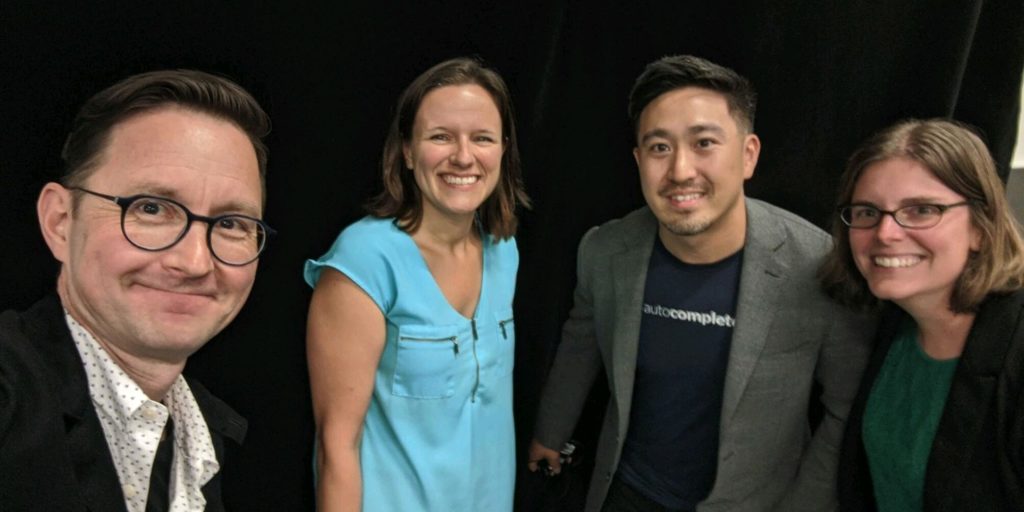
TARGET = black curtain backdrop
x,y
828,73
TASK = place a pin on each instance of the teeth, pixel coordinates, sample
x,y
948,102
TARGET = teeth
x,y
897,261
460,180
685,197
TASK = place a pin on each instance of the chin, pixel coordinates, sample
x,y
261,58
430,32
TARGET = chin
x,y
892,293
685,225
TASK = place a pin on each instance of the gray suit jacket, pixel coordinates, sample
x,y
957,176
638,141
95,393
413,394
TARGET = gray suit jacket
x,y
788,334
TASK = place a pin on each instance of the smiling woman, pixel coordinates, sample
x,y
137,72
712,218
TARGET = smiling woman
x,y
924,226
455,151
410,334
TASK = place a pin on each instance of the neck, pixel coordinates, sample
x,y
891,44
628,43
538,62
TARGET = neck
x,y
717,242
942,333
445,232
155,377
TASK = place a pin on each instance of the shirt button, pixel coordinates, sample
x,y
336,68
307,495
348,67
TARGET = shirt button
x,y
149,413
129,490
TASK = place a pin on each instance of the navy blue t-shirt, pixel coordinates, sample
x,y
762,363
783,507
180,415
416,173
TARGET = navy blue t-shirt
x,y
689,311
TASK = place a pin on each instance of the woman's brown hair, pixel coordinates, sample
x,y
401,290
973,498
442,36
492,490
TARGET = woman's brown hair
x,y
401,197
961,161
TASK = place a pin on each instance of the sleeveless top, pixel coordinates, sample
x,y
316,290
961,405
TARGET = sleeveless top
x,y
438,434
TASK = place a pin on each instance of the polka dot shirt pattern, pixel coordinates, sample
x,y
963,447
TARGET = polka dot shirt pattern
x,y
133,425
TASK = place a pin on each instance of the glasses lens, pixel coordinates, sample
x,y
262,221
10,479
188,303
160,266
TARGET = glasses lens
x,y
153,223
860,216
237,240
919,215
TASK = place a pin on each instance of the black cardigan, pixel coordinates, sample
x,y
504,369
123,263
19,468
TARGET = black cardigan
x,y
977,457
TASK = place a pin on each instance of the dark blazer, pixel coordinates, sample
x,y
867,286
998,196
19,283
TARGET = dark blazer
x,y
788,336
977,457
53,454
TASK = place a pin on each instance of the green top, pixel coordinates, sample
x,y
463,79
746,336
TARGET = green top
x,y
901,418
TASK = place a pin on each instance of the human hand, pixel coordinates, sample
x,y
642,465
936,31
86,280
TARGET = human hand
x,y
541,456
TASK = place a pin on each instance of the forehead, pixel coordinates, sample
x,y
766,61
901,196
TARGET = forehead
x,y
687,104
900,178
468,100
194,156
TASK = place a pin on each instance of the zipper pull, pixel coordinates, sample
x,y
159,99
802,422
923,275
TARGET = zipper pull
x,y
473,323
503,333
455,343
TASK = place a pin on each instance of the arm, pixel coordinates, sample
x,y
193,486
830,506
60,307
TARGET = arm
x,y
840,365
344,340
576,365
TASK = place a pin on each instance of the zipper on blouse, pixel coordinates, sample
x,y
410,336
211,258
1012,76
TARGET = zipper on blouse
x,y
476,384
451,339
504,333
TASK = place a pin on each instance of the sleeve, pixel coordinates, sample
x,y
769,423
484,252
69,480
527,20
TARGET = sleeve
x,y
504,258
577,361
840,366
361,252
7,396
1015,436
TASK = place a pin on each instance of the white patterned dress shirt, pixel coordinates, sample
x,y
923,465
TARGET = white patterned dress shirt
x,y
133,424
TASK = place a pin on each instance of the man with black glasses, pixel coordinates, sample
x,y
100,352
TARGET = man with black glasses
x,y
157,226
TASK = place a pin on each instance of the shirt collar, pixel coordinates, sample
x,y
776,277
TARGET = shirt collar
x,y
121,397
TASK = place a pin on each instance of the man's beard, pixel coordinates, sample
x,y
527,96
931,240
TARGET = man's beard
x,y
681,227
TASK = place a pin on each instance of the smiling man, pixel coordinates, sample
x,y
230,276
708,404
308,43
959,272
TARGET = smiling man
x,y
704,310
157,227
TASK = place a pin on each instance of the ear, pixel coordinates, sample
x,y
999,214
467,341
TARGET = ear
x,y
751,151
975,235
407,155
636,156
54,211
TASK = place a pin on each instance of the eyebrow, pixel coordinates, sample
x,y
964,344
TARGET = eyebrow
x,y
911,201
229,207
446,129
661,133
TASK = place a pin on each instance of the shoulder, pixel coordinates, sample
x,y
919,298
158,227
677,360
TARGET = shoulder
x,y
1003,313
626,231
800,237
17,353
499,245
28,338
505,251
367,235
373,238
364,247
1008,306
220,417
38,361
370,227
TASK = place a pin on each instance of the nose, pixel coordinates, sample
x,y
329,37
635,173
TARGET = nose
x,y
682,167
462,156
191,256
888,229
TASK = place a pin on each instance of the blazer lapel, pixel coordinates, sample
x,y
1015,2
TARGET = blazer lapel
x,y
629,276
85,442
760,278
970,399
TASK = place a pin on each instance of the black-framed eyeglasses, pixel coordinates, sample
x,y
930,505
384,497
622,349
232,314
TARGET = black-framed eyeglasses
x,y
915,216
154,223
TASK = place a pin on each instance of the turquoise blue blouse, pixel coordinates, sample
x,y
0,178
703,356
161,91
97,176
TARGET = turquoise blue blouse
x,y
438,434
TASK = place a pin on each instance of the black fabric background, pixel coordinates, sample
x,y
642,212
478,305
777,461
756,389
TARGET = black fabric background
x,y
828,73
